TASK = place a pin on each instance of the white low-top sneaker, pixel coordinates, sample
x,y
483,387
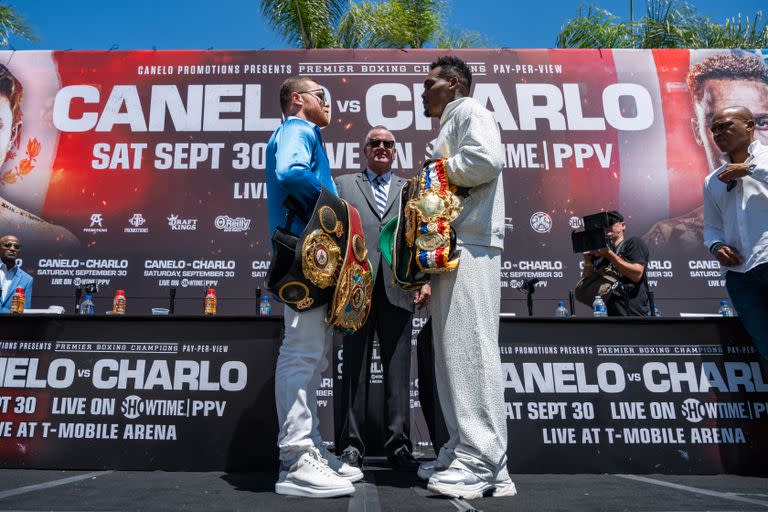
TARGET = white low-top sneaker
x,y
459,483
504,485
427,469
344,470
311,477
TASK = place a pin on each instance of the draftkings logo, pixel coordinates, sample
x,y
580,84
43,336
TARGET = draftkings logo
x,y
137,220
177,224
96,224
232,225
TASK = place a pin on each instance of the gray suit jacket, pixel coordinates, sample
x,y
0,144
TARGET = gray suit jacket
x,y
356,189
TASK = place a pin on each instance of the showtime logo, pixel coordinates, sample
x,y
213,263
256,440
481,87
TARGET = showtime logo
x,y
177,224
230,225
96,226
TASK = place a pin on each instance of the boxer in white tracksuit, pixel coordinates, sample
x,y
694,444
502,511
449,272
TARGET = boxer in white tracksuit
x,y
466,302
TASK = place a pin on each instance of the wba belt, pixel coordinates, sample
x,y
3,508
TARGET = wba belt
x,y
327,263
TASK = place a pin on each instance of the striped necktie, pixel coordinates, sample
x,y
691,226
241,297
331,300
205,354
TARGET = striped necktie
x,y
380,195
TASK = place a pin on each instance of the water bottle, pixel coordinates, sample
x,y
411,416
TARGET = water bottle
x,y
264,309
656,311
561,311
725,309
119,302
210,302
87,307
598,308
17,301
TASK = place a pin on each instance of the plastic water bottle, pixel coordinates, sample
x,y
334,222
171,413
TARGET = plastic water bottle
x,y
656,311
210,302
17,301
264,309
725,309
119,303
87,307
561,311
598,308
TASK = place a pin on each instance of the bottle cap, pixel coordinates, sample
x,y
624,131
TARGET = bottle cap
x,y
120,292
211,291
264,297
88,297
560,304
723,302
20,290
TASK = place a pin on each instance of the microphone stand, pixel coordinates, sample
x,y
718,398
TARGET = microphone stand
x,y
172,301
529,287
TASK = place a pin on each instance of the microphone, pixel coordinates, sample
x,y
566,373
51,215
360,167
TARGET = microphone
x,y
731,185
172,300
78,294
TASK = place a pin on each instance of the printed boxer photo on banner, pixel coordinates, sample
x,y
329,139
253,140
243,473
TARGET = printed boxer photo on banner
x,y
26,149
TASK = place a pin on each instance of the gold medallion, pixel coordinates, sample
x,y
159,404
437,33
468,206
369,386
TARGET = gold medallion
x,y
358,248
319,257
328,219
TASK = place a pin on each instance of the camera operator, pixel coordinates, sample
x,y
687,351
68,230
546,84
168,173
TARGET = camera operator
x,y
629,257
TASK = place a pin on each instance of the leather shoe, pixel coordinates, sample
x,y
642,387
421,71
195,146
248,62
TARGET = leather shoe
x,y
352,457
403,460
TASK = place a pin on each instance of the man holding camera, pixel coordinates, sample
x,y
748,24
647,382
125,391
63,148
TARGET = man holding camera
x,y
629,257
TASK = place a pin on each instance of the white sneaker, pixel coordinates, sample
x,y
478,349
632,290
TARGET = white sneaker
x,y
427,469
311,477
459,483
344,470
504,485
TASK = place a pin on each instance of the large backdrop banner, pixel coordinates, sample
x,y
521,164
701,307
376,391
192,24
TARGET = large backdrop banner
x,y
144,170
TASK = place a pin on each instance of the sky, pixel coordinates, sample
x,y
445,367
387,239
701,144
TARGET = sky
x,y
239,25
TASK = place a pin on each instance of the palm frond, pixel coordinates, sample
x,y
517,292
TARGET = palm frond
x,y
11,22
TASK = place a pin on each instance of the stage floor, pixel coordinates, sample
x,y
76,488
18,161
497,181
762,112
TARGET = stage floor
x,y
383,490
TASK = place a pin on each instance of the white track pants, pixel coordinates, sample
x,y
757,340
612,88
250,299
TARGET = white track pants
x,y
465,315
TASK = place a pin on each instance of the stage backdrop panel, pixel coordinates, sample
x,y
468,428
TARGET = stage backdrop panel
x,y
144,170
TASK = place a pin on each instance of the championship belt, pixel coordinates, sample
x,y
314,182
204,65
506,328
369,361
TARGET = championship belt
x,y
305,270
420,240
354,286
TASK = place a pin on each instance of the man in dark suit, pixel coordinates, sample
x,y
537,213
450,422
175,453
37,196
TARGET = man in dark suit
x,y
11,276
374,192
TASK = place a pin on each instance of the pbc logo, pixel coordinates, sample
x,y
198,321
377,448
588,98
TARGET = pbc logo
x,y
96,224
230,225
137,220
177,224
541,222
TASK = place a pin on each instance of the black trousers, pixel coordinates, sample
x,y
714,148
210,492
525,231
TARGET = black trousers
x,y
393,327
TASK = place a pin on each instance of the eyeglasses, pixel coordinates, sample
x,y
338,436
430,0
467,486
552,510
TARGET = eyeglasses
x,y
8,245
320,99
375,143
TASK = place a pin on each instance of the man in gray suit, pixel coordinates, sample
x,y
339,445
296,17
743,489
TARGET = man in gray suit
x,y
374,192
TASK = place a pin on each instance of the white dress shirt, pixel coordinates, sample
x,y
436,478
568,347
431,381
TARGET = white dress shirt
x,y
386,178
739,217
6,276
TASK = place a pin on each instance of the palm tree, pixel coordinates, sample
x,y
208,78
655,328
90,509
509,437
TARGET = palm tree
x,y
12,22
666,24
367,24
